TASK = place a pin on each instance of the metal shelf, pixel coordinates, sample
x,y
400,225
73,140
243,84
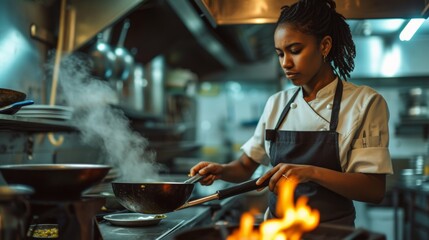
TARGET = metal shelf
x,y
15,123
418,127
23,124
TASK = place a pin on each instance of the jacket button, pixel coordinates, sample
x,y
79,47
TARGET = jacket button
x,y
293,105
329,106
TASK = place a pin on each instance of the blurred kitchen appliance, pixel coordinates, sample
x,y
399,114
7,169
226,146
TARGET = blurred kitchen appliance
x,y
181,87
75,218
416,105
57,195
181,111
415,174
418,163
181,81
133,92
155,91
14,210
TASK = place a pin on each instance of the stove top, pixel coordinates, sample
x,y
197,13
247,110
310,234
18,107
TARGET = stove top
x,y
322,232
74,219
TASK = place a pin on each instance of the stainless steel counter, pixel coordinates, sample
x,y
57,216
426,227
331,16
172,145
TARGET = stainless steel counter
x,y
175,222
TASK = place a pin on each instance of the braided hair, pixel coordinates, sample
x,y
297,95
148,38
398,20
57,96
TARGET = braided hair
x,y
319,18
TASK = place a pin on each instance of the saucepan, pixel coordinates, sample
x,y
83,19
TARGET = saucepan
x,y
164,197
55,181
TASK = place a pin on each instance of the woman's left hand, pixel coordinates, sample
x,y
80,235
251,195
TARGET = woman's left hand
x,y
282,171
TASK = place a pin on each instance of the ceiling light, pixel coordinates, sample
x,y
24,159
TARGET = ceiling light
x,y
366,28
411,28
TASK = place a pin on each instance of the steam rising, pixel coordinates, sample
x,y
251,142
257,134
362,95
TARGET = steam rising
x,y
102,124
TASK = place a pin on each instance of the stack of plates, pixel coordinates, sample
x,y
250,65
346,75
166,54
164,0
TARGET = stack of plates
x,y
54,112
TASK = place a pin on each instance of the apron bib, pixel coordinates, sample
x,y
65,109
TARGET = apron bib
x,y
318,148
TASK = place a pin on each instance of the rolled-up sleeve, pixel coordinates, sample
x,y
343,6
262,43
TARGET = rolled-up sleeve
x,y
370,160
369,152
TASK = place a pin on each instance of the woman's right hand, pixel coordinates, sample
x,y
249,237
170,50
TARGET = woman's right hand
x,y
212,171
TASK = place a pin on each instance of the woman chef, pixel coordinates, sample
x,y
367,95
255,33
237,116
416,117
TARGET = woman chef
x,y
328,133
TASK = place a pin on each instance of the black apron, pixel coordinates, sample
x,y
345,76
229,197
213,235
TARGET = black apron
x,y
318,148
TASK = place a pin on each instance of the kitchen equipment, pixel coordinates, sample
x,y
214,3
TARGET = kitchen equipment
x,y
124,62
323,231
43,231
155,198
418,163
103,57
14,210
14,107
416,105
164,133
43,111
9,96
55,181
155,94
73,219
133,90
197,177
134,219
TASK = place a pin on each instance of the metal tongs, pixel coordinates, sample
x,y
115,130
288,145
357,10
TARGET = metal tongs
x,y
197,177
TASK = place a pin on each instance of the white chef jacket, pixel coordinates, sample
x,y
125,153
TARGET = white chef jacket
x,y
362,127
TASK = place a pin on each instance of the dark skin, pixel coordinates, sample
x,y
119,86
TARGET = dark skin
x,y
301,57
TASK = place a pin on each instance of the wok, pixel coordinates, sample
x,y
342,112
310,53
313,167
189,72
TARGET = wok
x,y
163,197
55,181
9,96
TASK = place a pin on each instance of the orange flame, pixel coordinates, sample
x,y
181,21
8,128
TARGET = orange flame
x,y
294,221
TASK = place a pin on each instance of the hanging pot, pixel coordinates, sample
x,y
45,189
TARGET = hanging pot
x,y
103,58
124,61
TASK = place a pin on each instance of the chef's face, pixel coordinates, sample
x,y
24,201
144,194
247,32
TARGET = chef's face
x,y
300,55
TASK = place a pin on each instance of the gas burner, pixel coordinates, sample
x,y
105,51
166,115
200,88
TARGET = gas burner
x,y
75,219
322,232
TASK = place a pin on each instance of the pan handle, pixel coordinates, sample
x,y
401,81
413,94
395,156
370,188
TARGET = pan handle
x,y
227,192
241,188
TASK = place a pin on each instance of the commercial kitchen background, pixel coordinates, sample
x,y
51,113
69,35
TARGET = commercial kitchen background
x,y
203,109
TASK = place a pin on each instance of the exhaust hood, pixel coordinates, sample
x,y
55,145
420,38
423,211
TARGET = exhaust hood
x,y
221,12
210,37
87,18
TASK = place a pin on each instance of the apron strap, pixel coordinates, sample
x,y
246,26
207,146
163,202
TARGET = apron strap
x,y
336,108
286,110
